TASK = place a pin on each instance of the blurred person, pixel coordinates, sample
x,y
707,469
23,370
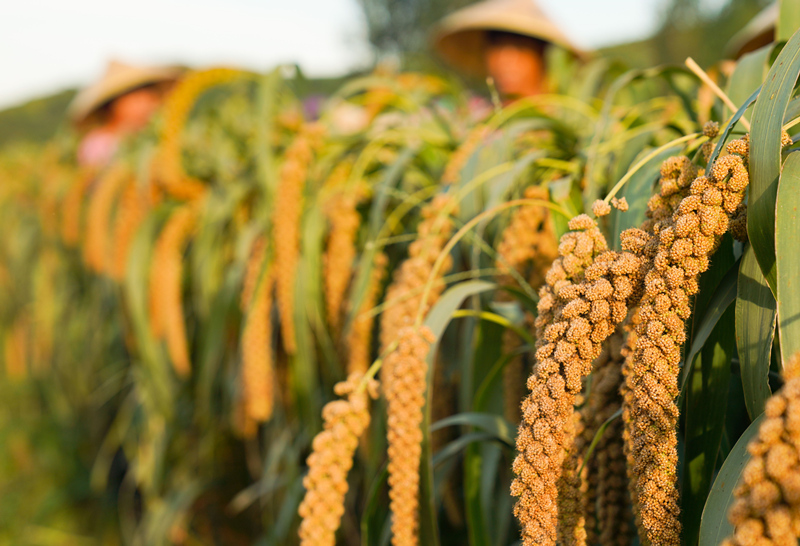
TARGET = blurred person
x,y
119,104
505,40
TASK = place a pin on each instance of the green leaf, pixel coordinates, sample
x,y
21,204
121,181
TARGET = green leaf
x,y
787,228
462,442
755,328
748,76
706,403
637,192
731,124
765,155
788,20
368,517
723,297
714,525
477,522
488,422
437,320
598,436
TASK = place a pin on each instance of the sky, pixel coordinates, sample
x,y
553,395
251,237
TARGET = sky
x,y
49,45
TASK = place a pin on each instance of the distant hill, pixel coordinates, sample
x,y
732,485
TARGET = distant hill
x,y
36,120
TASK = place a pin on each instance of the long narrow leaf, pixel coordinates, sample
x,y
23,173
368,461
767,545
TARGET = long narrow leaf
x,y
787,233
714,525
765,155
755,328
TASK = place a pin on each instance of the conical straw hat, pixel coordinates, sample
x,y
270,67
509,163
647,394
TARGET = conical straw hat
x,y
759,32
119,78
460,38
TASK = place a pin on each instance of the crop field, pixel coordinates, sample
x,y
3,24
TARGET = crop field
x,y
571,320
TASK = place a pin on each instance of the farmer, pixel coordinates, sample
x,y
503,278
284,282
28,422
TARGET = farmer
x,y
119,104
502,39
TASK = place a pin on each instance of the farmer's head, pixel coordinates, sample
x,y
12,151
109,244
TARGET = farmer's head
x,y
516,63
502,39
124,98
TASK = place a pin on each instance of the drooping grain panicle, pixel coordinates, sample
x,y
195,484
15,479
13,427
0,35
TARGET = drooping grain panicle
x,y
286,220
71,209
676,176
609,473
528,244
166,276
359,340
461,155
131,212
685,245
405,388
326,485
767,506
258,374
98,217
253,271
340,251
587,293
404,295
16,351
591,244
177,107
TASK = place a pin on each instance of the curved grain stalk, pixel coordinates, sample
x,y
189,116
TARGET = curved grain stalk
x,y
359,340
258,374
452,171
286,225
170,172
404,297
528,246
166,275
681,256
131,212
72,205
406,378
98,216
340,251
330,461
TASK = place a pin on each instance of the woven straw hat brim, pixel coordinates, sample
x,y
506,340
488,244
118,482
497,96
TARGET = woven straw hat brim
x,y
119,78
460,38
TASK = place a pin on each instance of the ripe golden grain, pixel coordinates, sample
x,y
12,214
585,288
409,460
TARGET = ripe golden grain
x,y
406,371
98,217
340,251
404,295
171,175
258,374
286,226
330,461
767,506
166,273
72,207
587,293
15,347
359,340
684,247
528,244
452,171
608,473
131,212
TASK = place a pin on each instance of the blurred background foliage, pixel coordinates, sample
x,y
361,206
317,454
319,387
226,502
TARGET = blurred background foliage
x,y
398,31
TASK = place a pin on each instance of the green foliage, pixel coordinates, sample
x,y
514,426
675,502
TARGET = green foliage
x,y
110,444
